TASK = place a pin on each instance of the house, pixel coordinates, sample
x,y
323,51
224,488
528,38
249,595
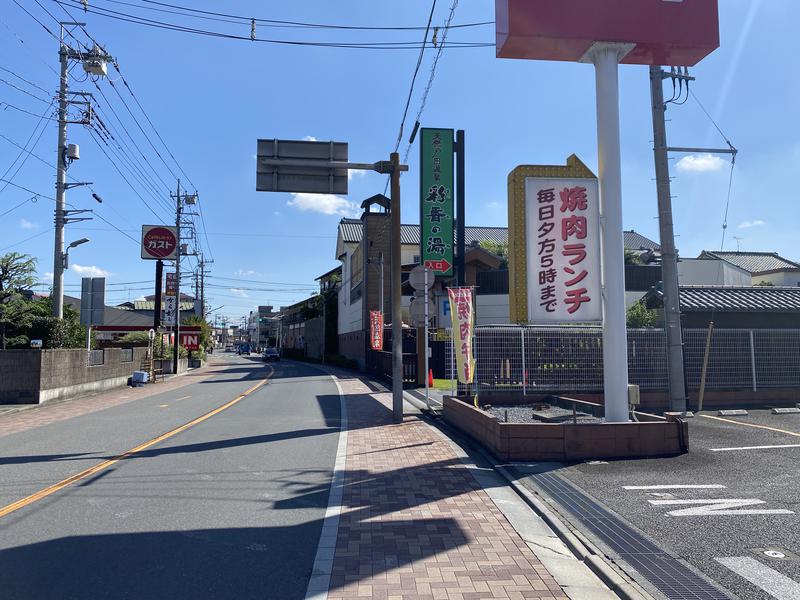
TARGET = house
x,y
763,267
117,322
147,306
753,307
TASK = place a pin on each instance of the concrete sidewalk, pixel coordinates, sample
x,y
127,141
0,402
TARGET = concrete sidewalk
x,y
418,520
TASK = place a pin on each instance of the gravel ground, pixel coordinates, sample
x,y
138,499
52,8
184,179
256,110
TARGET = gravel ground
x,y
523,413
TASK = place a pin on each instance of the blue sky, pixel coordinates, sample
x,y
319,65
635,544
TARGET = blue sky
x,y
211,98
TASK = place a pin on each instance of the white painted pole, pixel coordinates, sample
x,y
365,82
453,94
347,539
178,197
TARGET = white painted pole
x,y
615,349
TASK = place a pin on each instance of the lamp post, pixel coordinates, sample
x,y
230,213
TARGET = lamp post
x,y
74,244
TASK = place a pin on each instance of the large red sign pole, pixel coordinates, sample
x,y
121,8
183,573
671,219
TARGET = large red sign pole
x,y
605,33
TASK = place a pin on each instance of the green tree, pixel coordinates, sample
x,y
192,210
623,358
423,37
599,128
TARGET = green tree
x,y
639,316
16,275
632,258
765,284
498,248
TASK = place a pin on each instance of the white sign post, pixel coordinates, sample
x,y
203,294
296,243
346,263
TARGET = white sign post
x,y
563,249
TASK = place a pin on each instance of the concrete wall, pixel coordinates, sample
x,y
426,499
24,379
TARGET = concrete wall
x,y
700,271
353,345
783,278
38,376
19,376
567,441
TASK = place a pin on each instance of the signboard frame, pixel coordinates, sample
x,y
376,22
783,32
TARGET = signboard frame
x,y
517,227
436,200
376,330
308,178
93,300
148,230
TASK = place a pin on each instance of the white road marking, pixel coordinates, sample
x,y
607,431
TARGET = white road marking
x,y
771,581
712,486
320,579
719,506
182,398
754,448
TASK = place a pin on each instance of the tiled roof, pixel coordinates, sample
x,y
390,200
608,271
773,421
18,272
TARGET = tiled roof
x,y
754,262
740,299
636,241
351,231
115,316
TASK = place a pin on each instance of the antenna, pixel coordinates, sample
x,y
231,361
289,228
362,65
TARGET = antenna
x,y
737,238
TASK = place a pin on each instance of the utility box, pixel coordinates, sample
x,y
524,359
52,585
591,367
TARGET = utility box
x,y
661,32
634,399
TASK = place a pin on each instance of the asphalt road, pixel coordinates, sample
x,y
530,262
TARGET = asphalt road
x,y
231,507
723,465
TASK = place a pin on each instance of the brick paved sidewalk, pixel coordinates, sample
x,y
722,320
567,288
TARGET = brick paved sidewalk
x,y
52,412
414,522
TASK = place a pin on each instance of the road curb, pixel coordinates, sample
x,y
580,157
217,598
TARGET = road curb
x,y
583,549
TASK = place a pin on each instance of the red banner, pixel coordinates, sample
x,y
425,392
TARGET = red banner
x,y
376,330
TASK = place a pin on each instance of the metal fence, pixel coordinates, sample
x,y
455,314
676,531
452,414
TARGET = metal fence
x,y
570,359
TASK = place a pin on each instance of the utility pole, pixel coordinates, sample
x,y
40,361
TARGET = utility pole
x,y
94,63
669,257
397,314
61,180
177,329
460,210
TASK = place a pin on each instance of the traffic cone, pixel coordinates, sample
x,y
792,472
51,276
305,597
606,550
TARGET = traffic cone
x,y
430,377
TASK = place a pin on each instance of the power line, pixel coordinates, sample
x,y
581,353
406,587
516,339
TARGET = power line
x,y
22,110
30,83
27,239
414,79
185,29
447,27
24,91
241,19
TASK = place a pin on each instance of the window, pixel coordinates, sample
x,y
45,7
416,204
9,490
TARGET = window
x,y
417,259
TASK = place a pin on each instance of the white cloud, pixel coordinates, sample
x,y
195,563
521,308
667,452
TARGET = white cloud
x,y
244,272
309,138
749,224
239,292
327,204
277,213
700,163
89,270
47,277
25,224
493,205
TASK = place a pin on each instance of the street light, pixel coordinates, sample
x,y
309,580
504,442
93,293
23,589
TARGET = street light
x,y
72,245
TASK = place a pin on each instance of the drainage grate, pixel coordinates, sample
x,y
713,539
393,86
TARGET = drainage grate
x,y
667,574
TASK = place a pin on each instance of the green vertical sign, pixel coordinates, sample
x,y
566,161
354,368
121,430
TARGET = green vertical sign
x,y
436,200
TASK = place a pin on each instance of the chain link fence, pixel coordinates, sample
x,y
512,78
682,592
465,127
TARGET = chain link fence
x,y
570,359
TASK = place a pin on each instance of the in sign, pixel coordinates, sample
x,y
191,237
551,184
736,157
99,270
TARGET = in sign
x,y
190,341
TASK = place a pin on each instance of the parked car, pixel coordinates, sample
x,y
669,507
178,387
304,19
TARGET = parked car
x,y
271,354
228,348
244,349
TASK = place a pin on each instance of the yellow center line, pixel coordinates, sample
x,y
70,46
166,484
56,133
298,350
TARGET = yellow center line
x,y
52,489
792,433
